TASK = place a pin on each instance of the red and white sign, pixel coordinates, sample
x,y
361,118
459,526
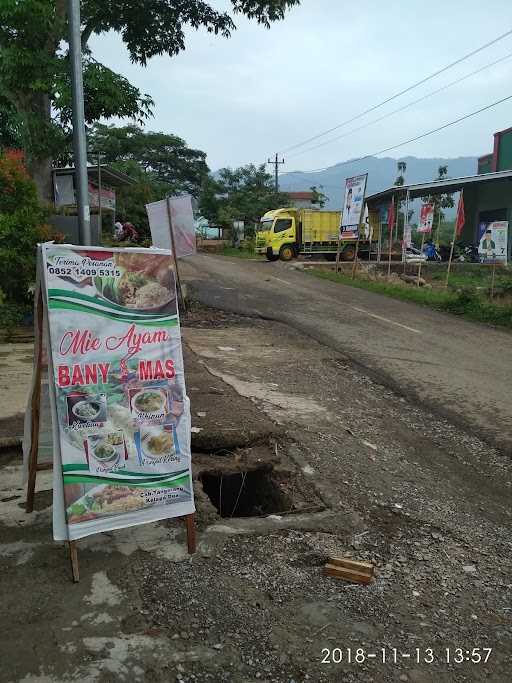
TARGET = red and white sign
x,y
426,218
108,197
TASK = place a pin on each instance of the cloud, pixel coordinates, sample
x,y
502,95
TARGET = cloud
x,y
261,91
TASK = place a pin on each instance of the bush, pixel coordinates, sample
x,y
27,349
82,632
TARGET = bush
x,y
22,226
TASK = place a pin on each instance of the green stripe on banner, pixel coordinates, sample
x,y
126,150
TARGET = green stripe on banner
x,y
127,480
165,483
85,297
54,301
169,321
105,303
71,469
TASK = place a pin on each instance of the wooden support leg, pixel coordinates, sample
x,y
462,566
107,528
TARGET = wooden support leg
x,y
73,556
36,410
190,521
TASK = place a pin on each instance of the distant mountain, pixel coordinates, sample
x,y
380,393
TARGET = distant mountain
x,y
381,175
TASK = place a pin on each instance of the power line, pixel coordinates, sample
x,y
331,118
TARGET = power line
x,y
406,106
402,92
406,142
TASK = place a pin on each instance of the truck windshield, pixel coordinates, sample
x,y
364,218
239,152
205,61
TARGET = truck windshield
x,y
266,225
282,224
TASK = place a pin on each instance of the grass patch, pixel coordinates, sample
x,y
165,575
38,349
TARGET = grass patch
x,y
239,253
465,302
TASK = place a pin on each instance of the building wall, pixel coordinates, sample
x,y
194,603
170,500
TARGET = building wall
x,y
504,161
485,164
68,225
486,197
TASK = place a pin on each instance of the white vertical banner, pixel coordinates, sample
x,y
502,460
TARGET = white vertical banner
x,y
353,201
183,225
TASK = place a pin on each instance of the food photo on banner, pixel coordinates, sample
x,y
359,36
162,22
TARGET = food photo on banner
x,y
119,405
493,242
355,188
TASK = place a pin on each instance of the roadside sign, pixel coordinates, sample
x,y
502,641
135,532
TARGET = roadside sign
x,y
493,242
121,417
353,202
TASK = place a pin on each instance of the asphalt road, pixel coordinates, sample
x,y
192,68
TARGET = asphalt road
x,y
459,369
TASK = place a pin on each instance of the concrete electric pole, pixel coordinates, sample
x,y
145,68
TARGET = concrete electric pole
x,y
79,141
276,163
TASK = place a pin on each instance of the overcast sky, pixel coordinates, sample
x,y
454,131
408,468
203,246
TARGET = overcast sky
x,y
240,100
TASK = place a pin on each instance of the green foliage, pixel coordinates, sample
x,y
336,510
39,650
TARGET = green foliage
x,y
243,194
160,164
440,202
401,169
34,68
22,226
319,198
464,302
159,157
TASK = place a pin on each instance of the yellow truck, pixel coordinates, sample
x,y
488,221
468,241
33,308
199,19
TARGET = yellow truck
x,y
286,233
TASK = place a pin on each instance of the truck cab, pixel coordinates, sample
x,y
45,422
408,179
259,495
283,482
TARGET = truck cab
x,y
277,235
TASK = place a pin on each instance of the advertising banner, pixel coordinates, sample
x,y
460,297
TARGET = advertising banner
x,y
355,188
183,225
493,242
407,240
108,197
121,417
426,218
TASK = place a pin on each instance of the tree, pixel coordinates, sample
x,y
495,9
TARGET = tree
x,y
22,226
319,198
440,201
161,157
244,194
34,69
399,181
401,169
160,164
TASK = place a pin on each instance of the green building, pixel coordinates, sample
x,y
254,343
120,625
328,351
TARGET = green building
x,y
500,158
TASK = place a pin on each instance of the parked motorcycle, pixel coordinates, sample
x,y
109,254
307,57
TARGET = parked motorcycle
x,y
468,252
431,252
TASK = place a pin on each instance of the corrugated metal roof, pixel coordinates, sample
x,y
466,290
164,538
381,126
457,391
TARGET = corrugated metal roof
x,y
439,186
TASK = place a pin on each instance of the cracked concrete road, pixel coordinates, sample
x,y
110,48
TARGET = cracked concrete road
x,y
457,368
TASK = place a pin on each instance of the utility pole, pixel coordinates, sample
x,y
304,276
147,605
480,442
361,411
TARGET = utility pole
x,y
276,163
79,142
100,223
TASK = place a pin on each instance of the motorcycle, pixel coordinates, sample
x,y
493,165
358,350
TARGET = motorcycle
x,y
468,252
431,252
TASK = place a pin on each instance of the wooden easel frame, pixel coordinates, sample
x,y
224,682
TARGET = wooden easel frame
x,y
175,256
34,467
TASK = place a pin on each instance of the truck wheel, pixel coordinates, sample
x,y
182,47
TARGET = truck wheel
x,y
349,253
286,253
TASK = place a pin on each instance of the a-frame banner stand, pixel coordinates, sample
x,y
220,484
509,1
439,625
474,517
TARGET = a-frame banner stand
x,y
107,320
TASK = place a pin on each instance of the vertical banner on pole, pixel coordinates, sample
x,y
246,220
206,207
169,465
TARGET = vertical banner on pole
x,y
352,213
457,230
425,225
391,221
120,411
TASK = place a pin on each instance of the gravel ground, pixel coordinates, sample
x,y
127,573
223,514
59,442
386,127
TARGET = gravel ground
x,y
433,504
425,501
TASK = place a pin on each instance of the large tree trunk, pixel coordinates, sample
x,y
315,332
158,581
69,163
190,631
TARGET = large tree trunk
x,y
35,111
41,172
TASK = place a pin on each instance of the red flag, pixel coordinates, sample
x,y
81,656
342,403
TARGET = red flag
x,y
460,220
391,216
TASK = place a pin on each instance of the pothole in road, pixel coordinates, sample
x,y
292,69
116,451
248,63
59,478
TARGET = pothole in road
x,y
246,493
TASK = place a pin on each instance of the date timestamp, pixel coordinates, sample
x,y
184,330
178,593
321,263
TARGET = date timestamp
x,y
392,655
